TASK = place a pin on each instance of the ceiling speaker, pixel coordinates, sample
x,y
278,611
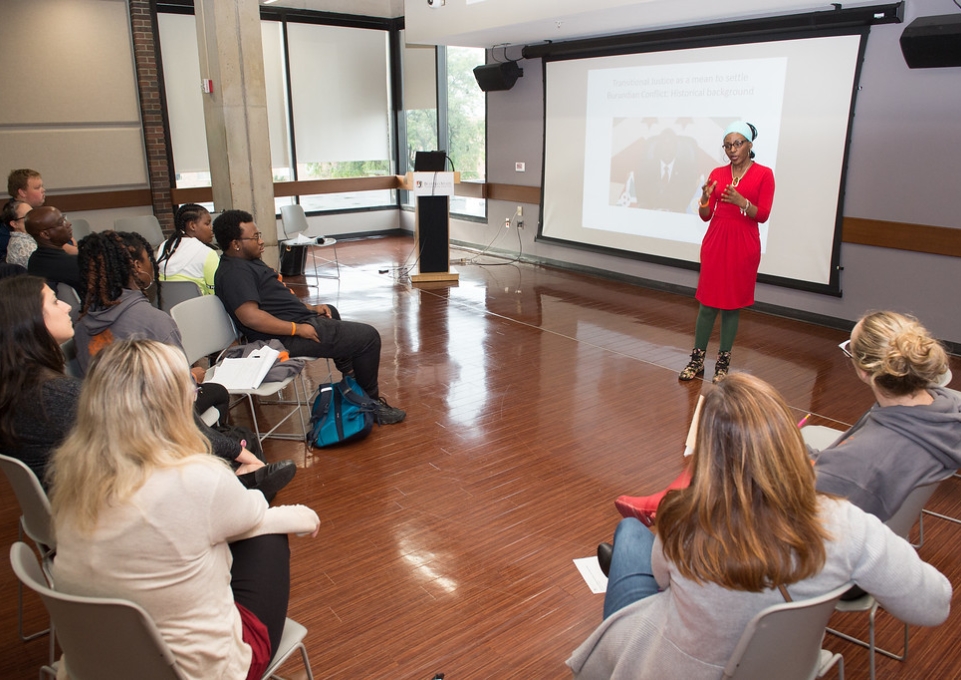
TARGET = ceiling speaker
x,y
498,76
932,42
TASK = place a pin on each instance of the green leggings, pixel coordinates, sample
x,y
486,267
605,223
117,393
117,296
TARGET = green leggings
x,y
705,324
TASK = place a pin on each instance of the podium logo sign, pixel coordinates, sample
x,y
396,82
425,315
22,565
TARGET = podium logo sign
x,y
433,184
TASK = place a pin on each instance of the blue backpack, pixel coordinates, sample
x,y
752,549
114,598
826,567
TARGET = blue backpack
x,y
341,412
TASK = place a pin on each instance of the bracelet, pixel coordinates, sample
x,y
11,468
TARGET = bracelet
x,y
705,204
746,208
293,329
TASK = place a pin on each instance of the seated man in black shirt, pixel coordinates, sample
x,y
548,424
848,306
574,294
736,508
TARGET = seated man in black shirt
x,y
52,230
264,308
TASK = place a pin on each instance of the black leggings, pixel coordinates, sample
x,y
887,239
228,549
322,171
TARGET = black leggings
x,y
260,580
212,394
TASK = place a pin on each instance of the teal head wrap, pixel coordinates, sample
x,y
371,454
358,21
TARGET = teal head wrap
x,y
746,130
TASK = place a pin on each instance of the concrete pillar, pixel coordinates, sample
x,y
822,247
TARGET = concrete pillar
x,y
235,113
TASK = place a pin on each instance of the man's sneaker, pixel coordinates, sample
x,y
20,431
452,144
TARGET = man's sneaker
x,y
385,414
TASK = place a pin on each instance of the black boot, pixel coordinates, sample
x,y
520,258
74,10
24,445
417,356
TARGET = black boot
x,y
695,366
605,551
270,479
722,366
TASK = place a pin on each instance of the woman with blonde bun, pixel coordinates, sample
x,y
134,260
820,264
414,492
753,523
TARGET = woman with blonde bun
x,y
912,435
909,438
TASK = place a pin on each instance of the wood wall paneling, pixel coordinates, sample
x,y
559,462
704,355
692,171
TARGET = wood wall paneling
x,y
881,234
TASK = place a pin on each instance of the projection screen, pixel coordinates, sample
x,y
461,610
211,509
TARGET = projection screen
x,y
630,139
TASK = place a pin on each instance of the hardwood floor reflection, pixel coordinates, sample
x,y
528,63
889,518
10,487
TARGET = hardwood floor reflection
x,y
534,397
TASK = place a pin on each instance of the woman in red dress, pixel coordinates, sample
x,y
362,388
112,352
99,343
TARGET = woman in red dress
x,y
735,198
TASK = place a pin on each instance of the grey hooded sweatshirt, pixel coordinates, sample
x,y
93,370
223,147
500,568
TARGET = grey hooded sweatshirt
x,y
132,316
890,451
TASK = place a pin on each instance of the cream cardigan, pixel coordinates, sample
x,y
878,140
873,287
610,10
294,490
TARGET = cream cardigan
x,y
166,549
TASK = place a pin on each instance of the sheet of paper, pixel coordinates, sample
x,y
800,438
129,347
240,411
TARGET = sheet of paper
x,y
592,574
692,432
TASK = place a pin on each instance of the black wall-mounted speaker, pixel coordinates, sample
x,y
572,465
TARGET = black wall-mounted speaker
x,y
498,76
932,42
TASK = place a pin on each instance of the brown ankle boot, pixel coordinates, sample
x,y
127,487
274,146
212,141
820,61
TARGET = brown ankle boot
x,y
722,366
695,366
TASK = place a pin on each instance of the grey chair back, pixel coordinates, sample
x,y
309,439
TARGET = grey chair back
x,y
102,638
67,293
112,639
81,227
784,641
205,327
71,363
34,504
145,225
35,522
172,293
910,510
294,219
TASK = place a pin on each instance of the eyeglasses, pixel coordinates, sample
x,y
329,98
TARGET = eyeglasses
x,y
734,145
846,348
256,237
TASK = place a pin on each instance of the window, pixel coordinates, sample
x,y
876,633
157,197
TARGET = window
x,y
341,112
334,119
464,103
420,99
466,125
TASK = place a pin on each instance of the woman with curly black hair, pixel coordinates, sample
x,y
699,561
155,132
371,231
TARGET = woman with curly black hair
x,y
116,269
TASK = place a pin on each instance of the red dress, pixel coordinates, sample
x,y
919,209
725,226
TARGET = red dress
x,y
731,249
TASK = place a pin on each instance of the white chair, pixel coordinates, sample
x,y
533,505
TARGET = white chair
x,y
172,293
295,233
35,522
114,639
901,524
784,642
207,329
145,225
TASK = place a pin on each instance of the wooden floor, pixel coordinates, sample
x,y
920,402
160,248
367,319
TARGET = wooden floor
x,y
534,398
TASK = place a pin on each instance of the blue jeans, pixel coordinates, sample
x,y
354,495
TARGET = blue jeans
x,y
631,578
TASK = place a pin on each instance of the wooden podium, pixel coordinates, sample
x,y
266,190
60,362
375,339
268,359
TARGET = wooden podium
x,y
432,224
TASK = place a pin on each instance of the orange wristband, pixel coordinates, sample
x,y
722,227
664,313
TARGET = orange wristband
x,y
293,329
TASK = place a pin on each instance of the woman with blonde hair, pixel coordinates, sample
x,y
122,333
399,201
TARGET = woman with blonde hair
x,y
748,532
912,435
142,513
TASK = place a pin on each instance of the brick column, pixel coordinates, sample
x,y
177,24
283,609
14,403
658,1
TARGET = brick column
x,y
146,51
